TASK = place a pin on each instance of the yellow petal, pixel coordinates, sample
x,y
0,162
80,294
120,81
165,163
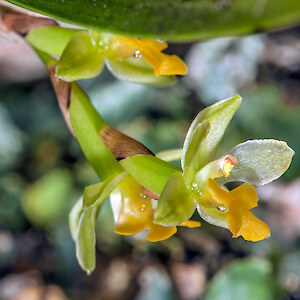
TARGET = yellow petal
x,y
135,211
218,195
158,233
239,201
163,64
246,195
256,230
191,224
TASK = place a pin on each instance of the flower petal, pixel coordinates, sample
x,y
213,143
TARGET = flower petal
x,y
218,116
239,201
132,210
217,168
137,71
158,233
163,64
191,224
81,59
176,203
260,161
256,230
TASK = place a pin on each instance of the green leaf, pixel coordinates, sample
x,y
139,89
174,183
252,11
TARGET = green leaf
x,y
206,131
171,19
52,40
74,218
95,194
81,59
260,161
87,123
86,240
134,70
176,203
149,171
244,279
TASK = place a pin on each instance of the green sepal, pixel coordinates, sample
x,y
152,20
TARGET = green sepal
x,y
82,57
52,40
87,124
176,203
149,171
189,153
170,155
218,117
213,215
259,161
86,240
74,218
95,194
137,71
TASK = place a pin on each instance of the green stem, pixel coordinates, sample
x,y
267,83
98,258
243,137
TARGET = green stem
x,y
87,124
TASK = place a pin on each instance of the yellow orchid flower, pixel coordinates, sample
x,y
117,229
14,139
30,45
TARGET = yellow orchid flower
x,y
133,212
151,51
238,202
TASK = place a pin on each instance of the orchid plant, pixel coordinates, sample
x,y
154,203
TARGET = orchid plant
x,y
146,191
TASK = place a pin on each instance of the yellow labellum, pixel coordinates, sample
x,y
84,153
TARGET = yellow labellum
x,y
151,51
239,201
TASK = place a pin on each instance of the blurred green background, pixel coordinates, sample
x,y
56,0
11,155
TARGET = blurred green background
x,y
43,173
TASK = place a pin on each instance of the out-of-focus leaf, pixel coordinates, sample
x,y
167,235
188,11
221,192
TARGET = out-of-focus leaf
x,y
86,240
43,201
74,218
149,171
207,136
134,70
81,59
171,19
95,194
176,203
245,279
87,123
52,39
260,161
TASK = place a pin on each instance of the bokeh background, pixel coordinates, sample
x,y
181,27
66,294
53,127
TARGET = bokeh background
x,y
43,172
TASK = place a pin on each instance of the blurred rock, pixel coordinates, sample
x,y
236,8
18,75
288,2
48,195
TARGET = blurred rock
x,y
155,284
284,209
190,280
12,285
50,292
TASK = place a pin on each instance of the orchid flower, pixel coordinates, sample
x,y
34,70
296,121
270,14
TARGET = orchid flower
x,y
173,193
200,183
